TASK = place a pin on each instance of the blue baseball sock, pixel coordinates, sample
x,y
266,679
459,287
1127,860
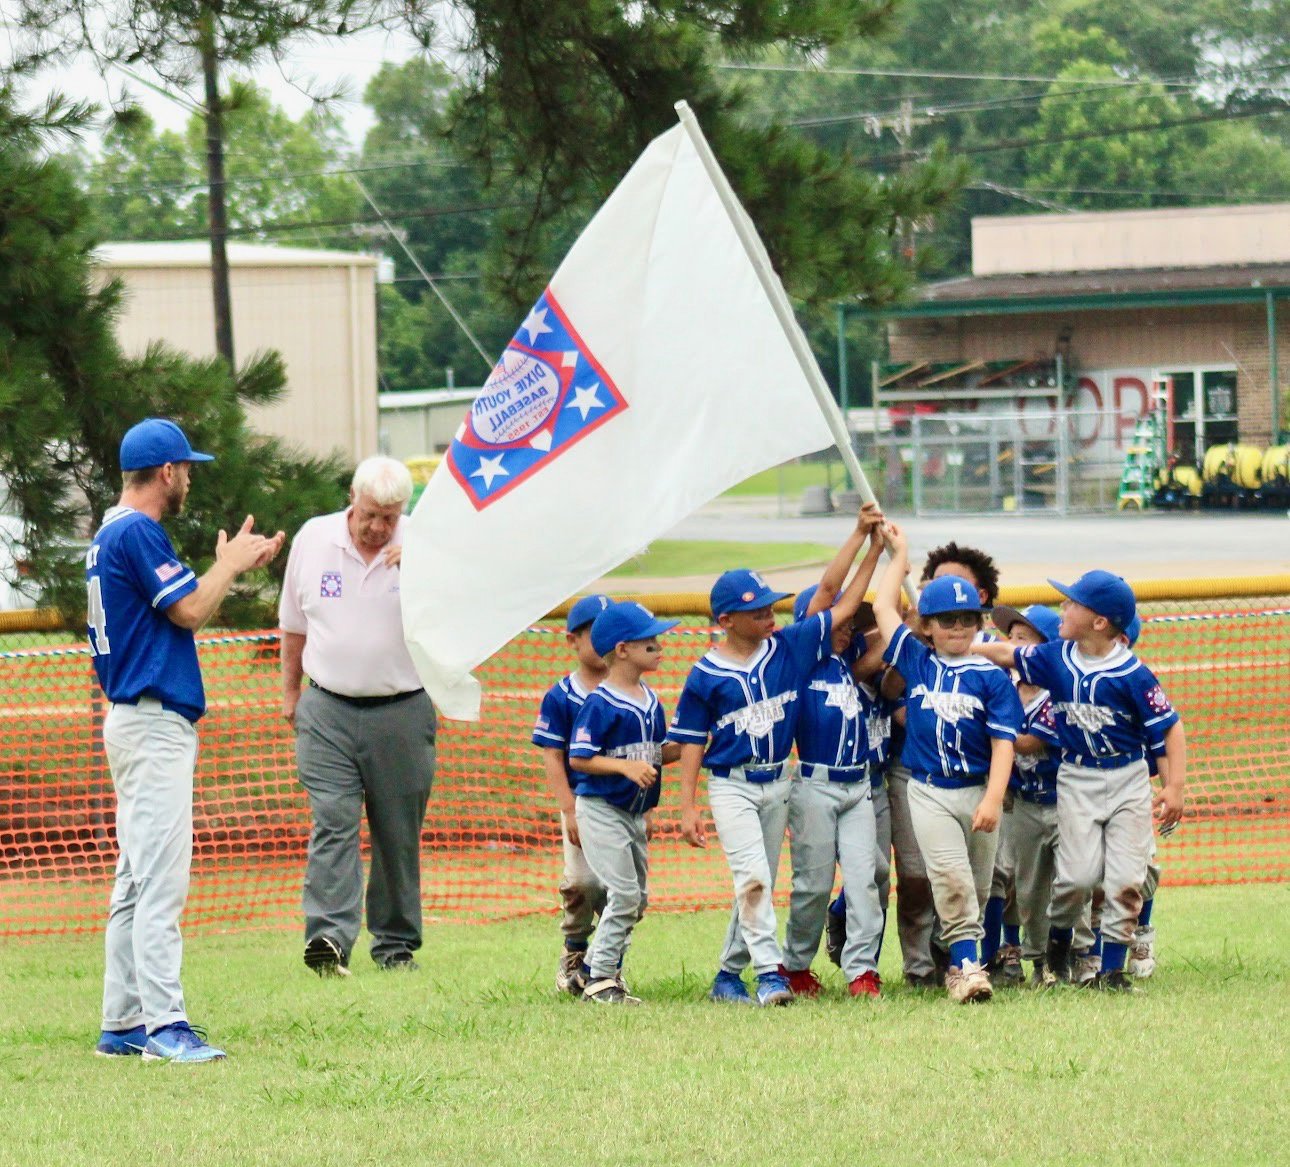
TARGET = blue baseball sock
x,y
1096,949
1144,916
992,923
961,950
575,946
1012,935
1066,934
1113,957
839,906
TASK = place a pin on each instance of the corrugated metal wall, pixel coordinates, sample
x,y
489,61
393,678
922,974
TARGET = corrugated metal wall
x,y
322,319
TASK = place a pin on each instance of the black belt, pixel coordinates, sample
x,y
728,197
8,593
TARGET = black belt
x,y
756,774
368,702
839,773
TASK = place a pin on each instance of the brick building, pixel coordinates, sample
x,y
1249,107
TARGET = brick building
x,y
1115,302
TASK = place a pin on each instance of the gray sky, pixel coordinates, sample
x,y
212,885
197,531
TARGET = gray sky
x,y
351,62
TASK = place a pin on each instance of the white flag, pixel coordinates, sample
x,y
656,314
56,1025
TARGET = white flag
x,y
651,375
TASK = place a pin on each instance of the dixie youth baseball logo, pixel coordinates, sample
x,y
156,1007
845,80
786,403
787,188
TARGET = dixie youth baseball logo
x,y
545,394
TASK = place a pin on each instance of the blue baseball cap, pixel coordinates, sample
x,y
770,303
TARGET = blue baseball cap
x,y
156,441
742,590
585,609
625,621
1037,617
862,619
950,593
1105,593
1134,630
803,602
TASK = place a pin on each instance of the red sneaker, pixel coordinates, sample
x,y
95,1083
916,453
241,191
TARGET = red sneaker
x,y
866,985
803,982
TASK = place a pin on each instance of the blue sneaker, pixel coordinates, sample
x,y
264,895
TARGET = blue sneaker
x,y
729,987
121,1043
773,989
179,1042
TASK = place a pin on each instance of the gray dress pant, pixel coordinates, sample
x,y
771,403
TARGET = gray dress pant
x,y
380,758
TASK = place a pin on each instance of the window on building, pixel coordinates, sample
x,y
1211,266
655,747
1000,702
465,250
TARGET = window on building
x,y
1204,412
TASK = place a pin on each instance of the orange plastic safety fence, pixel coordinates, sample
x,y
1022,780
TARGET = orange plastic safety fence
x,y
491,841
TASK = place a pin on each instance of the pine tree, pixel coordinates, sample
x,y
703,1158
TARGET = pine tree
x,y
67,394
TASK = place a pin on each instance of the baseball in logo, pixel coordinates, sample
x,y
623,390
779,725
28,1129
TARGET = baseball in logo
x,y
545,394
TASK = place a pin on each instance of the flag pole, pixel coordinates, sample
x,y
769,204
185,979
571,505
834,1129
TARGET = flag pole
x,y
783,309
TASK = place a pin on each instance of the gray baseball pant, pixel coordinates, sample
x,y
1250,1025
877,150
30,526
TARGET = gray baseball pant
x,y
582,895
381,758
613,841
751,818
832,825
1091,917
1104,836
915,911
1033,840
151,753
960,861
882,828
1004,861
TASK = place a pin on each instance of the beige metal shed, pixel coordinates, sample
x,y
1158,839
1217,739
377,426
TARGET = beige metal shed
x,y
317,308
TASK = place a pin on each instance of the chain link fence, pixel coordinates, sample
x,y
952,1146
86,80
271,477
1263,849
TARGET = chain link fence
x,y
1029,461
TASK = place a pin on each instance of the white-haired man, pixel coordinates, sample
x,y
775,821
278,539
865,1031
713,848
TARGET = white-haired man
x,y
365,729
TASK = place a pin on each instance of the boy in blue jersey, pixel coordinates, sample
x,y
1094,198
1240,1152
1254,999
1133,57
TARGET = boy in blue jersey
x,y
1030,815
617,750
582,895
830,809
736,718
1109,710
143,606
962,717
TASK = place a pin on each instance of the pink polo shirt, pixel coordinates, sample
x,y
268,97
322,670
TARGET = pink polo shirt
x,y
347,610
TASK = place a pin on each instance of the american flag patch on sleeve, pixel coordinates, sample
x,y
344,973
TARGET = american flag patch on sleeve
x,y
167,571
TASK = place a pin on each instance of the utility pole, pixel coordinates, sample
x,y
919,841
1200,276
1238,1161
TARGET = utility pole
x,y
218,223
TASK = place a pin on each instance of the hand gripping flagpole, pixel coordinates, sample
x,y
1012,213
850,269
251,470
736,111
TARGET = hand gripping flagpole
x,y
783,310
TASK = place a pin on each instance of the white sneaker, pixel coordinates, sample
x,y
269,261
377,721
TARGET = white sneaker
x,y
968,982
1142,953
1085,967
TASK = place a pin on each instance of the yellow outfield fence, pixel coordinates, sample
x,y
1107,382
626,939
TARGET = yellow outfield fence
x,y
491,843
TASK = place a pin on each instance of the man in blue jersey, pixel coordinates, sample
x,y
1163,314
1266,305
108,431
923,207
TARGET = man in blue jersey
x,y
144,605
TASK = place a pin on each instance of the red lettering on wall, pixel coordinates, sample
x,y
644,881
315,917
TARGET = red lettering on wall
x,y
1127,414
1086,413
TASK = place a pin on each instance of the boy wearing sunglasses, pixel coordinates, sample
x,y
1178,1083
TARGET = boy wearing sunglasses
x,y
962,717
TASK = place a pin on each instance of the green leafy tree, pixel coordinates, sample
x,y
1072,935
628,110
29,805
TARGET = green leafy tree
x,y
1077,152
281,175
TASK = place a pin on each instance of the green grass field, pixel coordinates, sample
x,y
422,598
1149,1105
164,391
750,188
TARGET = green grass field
x,y
475,1059
679,557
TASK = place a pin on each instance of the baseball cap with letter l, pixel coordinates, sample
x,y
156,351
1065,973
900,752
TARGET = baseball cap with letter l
x,y
585,609
742,590
1037,617
156,441
949,593
1105,593
624,622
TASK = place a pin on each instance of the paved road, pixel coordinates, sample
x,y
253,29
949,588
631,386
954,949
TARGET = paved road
x,y
1028,548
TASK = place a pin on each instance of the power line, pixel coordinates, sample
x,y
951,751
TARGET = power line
x,y
930,75
311,224
1088,135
